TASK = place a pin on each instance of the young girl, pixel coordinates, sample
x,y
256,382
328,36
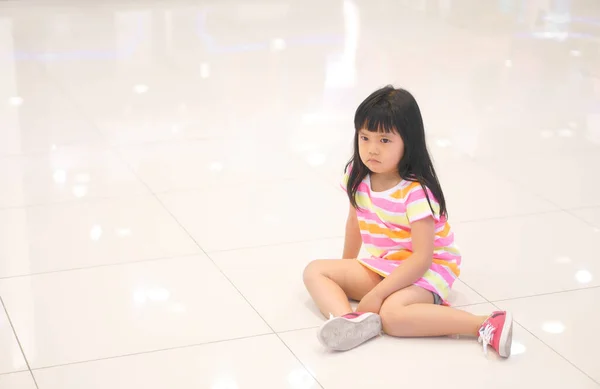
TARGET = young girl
x,y
398,211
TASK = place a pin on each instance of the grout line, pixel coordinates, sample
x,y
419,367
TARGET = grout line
x,y
557,353
220,270
118,154
172,257
244,297
18,341
13,372
570,212
82,201
476,292
545,294
298,329
491,170
551,348
153,351
278,244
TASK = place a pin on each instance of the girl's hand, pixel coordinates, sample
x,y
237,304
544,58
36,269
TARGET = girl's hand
x,y
372,302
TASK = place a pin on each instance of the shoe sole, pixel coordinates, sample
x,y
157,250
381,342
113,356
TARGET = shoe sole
x,y
341,334
505,343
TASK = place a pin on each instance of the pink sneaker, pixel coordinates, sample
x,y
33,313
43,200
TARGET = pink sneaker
x,y
496,331
348,331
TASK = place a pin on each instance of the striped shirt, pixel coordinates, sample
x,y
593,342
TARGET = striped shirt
x,y
385,221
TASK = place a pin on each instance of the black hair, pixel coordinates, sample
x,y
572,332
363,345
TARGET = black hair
x,y
396,110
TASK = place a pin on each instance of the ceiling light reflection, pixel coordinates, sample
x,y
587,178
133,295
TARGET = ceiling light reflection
x,y
15,101
216,166
204,70
96,232
316,159
225,383
517,348
443,143
59,176
566,133
553,327
80,191
123,232
140,89
584,277
299,378
278,44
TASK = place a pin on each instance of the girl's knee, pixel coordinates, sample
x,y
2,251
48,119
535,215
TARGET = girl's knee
x,y
312,270
392,317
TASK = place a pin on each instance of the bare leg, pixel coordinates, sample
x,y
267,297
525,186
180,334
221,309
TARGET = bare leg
x,y
410,313
331,282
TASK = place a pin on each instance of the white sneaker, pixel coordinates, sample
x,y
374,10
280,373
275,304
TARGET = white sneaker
x,y
348,331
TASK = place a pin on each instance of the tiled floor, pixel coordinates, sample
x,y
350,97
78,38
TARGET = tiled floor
x,y
168,168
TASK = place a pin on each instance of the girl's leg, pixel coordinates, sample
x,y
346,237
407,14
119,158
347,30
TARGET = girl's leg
x,y
331,282
410,312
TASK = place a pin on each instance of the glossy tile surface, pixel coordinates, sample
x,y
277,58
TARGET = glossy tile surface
x,y
11,359
533,363
539,257
92,233
167,170
17,381
566,322
67,175
590,215
230,364
125,309
257,214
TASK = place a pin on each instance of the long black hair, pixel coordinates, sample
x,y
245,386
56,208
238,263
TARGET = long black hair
x,y
396,110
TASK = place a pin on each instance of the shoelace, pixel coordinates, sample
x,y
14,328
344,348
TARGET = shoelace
x,y
486,334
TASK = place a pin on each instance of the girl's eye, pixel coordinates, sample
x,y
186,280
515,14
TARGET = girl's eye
x,y
384,140
364,138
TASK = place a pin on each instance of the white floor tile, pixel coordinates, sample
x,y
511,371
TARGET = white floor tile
x,y
44,121
204,163
532,364
103,312
91,233
257,214
262,361
567,322
528,255
568,181
65,176
281,268
11,358
590,215
241,117
17,381
487,196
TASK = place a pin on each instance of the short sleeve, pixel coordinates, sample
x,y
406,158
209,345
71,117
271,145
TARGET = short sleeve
x,y
417,206
344,180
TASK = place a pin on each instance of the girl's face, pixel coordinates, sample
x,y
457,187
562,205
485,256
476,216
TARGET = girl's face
x,y
379,151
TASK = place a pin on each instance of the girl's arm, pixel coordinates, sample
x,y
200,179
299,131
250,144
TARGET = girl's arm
x,y
353,240
415,266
